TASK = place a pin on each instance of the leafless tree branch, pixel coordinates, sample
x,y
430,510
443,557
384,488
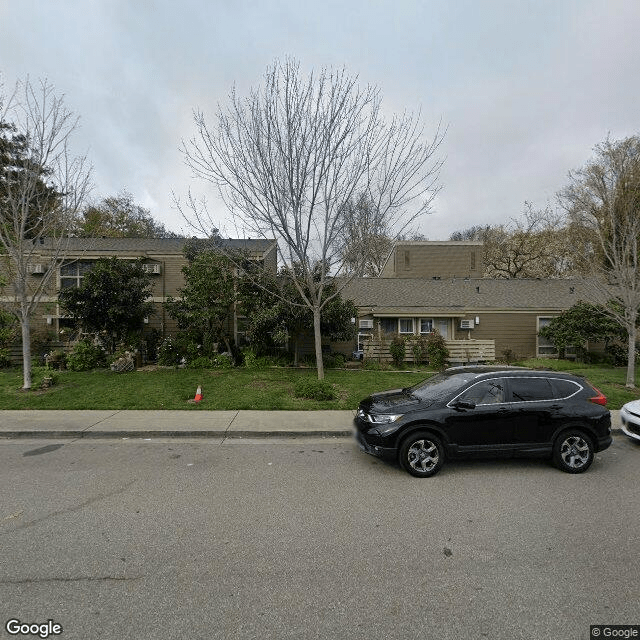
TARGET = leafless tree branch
x,y
288,157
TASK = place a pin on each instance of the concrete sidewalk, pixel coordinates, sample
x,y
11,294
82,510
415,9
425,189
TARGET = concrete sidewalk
x,y
149,424
187,424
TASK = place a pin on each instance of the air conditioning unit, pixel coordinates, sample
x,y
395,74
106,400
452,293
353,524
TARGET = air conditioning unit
x,y
366,324
152,268
466,324
36,268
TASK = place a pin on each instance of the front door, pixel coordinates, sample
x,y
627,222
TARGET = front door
x,y
443,328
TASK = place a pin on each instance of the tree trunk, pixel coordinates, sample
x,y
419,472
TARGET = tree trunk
x,y
26,352
318,340
631,355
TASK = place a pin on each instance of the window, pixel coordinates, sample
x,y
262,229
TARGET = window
x,y
71,273
406,325
486,392
530,389
389,325
407,262
473,261
565,388
545,346
426,325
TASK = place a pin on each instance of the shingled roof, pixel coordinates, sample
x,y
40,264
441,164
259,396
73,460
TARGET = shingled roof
x,y
154,245
458,296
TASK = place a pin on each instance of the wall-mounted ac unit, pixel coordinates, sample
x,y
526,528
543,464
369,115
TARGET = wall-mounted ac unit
x,y
152,268
36,268
366,324
466,324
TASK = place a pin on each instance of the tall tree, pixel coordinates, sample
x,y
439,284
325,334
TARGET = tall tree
x,y
602,200
42,189
534,245
289,156
582,323
206,300
111,301
119,217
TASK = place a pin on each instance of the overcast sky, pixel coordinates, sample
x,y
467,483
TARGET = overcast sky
x,y
526,87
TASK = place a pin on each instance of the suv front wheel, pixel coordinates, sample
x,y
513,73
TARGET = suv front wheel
x,y
573,451
421,454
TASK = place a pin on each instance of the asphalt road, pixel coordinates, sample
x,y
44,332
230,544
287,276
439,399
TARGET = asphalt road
x,y
311,539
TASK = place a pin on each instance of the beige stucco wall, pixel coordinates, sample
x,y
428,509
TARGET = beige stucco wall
x,y
435,260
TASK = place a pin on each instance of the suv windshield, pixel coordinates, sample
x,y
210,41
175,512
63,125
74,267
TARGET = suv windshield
x,y
441,385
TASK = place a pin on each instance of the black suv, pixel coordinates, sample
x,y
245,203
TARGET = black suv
x,y
486,411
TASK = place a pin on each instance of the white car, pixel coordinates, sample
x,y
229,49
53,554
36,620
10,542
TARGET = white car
x,y
630,416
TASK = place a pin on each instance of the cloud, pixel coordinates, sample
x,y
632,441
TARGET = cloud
x,y
527,89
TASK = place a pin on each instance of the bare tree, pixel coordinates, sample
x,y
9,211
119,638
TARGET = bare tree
x,y
41,190
288,157
603,203
366,243
535,245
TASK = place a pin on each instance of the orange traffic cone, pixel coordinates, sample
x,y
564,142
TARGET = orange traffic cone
x,y
198,394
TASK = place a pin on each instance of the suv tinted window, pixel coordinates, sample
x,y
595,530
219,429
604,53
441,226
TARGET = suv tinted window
x,y
565,388
528,389
485,392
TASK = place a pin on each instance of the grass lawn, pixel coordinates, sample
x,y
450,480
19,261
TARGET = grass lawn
x,y
264,389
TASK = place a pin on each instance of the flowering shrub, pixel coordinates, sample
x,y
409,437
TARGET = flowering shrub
x,y
397,349
168,353
437,351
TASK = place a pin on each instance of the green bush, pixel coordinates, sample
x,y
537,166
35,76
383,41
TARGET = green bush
x,y
251,360
333,360
397,349
616,354
437,351
5,359
86,356
201,362
313,389
168,353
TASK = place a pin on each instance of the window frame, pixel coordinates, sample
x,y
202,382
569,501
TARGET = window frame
x,y
506,390
81,268
430,321
406,333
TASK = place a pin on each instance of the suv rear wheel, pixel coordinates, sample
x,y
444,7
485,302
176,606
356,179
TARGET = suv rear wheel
x,y
421,454
573,451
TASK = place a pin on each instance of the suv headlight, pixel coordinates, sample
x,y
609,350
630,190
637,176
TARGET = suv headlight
x,y
384,418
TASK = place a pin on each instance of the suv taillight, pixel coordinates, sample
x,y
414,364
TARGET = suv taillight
x,y
600,398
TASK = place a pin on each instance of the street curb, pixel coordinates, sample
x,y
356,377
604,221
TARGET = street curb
x,y
173,434
138,435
